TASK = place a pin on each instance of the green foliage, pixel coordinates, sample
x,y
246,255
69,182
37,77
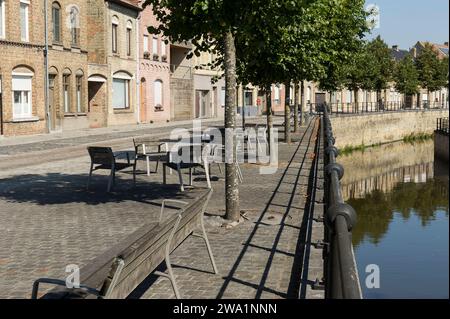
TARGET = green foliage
x,y
369,67
418,137
433,73
380,64
406,76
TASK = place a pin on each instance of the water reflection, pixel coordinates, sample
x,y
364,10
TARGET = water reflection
x,y
401,196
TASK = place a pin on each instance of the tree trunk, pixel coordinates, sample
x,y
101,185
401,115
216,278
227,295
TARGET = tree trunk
x,y
243,107
287,112
303,102
270,123
231,180
355,91
296,106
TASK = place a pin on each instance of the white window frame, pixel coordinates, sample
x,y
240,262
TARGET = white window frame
x,y
23,93
127,82
145,43
222,96
27,18
158,94
67,101
277,93
163,48
155,46
129,38
79,92
3,18
115,35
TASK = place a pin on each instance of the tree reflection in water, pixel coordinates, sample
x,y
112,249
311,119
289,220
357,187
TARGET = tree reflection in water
x,y
377,209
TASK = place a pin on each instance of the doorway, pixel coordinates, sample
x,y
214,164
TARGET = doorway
x,y
202,103
1,108
143,106
51,101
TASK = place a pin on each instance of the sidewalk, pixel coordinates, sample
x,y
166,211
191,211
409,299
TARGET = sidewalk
x,y
30,150
49,221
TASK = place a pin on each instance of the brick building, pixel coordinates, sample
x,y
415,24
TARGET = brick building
x,y
112,62
154,71
67,21
22,107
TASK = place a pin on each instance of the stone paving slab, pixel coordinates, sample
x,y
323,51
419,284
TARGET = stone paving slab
x,y
49,221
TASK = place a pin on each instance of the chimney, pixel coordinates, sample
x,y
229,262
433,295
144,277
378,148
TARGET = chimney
x,y
395,47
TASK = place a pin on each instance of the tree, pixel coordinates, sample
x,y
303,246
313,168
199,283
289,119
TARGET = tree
x,y
381,65
292,41
406,76
211,26
431,70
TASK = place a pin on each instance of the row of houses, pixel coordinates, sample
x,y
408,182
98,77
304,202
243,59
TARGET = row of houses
x,y
104,68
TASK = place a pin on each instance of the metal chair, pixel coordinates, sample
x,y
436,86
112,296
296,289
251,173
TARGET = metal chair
x,y
143,150
105,158
186,157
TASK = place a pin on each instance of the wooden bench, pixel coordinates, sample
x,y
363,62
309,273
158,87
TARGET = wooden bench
x,y
117,272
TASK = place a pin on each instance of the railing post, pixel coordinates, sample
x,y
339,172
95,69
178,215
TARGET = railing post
x,y
341,273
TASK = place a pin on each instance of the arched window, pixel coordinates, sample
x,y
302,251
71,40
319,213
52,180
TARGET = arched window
x,y
121,90
56,20
66,90
75,25
114,35
158,94
21,92
129,36
79,90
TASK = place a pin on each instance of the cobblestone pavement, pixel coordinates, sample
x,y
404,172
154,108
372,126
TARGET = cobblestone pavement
x,y
49,220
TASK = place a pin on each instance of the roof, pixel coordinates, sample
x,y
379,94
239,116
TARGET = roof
x,y
132,4
398,55
441,49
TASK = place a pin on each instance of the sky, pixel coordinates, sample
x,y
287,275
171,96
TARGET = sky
x,y
404,22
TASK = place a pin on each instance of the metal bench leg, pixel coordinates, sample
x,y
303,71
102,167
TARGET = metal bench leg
x,y
208,181
90,175
164,174
111,179
148,165
170,275
208,246
180,178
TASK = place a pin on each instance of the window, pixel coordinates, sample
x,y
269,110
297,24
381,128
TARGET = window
x,y
121,93
24,27
276,94
145,43
222,97
2,18
79,85
115,26
21,95
158,93
75,26
155,46
163,48
66,92
56,18
308,94
129,29
349,96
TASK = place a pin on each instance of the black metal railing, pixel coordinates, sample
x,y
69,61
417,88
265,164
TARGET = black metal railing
x,y
341,274
375,107
442,125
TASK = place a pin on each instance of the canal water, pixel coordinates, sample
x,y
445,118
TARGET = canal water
x,y
401,196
